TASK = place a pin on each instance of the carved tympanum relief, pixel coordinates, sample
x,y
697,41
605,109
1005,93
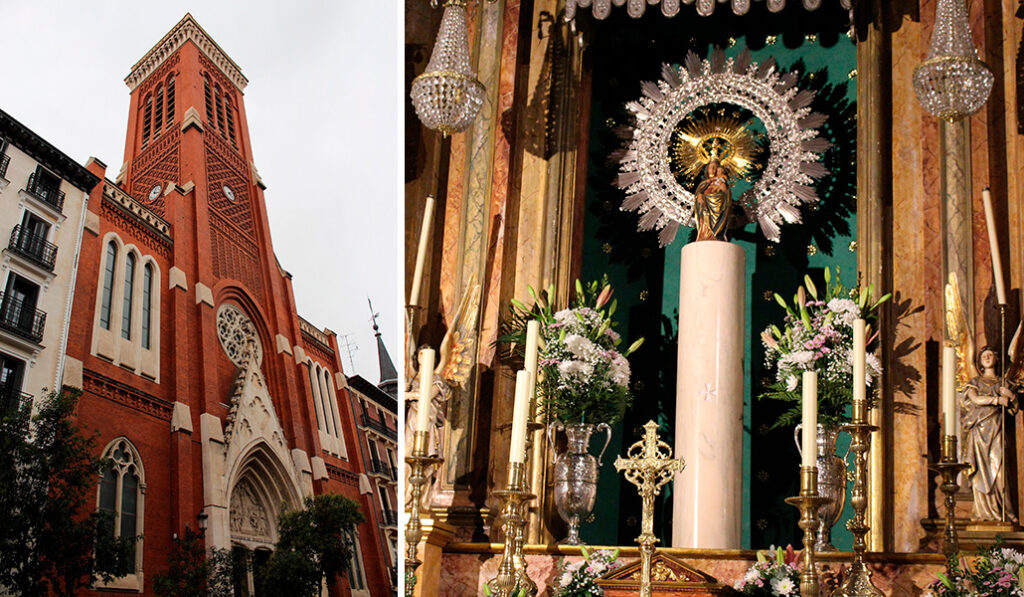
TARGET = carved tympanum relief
x,y
248,514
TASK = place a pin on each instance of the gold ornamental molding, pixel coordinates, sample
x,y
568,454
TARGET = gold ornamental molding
x,y
187,29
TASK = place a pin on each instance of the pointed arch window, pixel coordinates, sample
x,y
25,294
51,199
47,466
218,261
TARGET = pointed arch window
x,y
108,285
356,577
129,288
329,398
158,112
316,411
209,101
121,493
147,121
231,122
170,100
147,305
324,399
220,110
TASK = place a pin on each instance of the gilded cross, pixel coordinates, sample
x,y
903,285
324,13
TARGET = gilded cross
x,y
649,465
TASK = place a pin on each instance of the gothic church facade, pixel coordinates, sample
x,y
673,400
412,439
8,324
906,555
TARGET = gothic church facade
x,y
212,397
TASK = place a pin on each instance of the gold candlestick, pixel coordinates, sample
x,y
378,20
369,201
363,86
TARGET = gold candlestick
x,y
949,467
858,583
808,502
418,463
512,579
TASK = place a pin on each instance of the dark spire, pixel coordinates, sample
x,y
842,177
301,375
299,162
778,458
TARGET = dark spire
x,y
388,373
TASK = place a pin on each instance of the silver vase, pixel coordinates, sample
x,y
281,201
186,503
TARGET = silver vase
x,y
831,483
576,474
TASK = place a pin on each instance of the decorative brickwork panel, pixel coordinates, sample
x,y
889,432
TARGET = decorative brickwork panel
x,y
235,257
314,348
126,222
342,476
168,67
158,165
233,202
105,387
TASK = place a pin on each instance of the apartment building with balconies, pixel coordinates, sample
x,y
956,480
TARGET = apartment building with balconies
x,y
375,410
43,198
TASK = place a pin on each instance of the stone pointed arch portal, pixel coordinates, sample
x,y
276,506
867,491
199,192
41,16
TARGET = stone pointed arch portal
x,y
249,472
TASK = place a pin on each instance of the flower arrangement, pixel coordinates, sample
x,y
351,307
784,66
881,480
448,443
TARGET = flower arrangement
x,y
817,335
579,579
775,577
996,572
583,376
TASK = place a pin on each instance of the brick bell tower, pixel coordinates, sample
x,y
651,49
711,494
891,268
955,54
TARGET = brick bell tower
x,y
189,160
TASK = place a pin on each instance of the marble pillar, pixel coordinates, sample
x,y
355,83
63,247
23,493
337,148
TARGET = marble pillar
x,y
707,501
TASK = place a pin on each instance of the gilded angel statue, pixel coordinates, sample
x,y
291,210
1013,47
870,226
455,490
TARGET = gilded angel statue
x,y
986,395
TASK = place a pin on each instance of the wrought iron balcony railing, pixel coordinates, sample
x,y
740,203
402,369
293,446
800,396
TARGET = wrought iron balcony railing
x,y
12,398
390,517
379,427
45,191
33,247
20,319
379,467
4,161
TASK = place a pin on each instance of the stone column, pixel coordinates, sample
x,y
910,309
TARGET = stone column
x,y
707,498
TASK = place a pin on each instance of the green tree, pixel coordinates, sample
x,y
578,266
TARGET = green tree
x,y
311,546
48,476
190,573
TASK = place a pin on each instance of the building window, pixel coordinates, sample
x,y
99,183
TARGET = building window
x,y
170,100
329,397
209,101
121,492
129,287
108,285
147,121
231,123
158,112
29,239
220,111
356,580
10,383
18,308
147,304
316,411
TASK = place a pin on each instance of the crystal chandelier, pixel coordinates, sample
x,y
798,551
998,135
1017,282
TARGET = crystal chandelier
x,y
952,82
448,96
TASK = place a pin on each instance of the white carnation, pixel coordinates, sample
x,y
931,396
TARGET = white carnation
x,y
782,586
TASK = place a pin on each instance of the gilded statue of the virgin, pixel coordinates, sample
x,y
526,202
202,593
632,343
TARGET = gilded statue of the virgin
x,y
715,151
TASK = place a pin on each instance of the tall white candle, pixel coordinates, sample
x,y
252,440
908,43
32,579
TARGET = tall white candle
x,y
859,370
810,418
532,350
520,414
993,243
426,386
421,251
948,390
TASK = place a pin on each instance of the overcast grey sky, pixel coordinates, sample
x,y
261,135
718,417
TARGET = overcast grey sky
x,y
323,111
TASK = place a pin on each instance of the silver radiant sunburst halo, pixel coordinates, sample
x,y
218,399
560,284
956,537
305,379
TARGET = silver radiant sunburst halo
x,y
794,144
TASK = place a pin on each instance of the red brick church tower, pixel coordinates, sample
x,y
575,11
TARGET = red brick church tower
x,y
215,400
